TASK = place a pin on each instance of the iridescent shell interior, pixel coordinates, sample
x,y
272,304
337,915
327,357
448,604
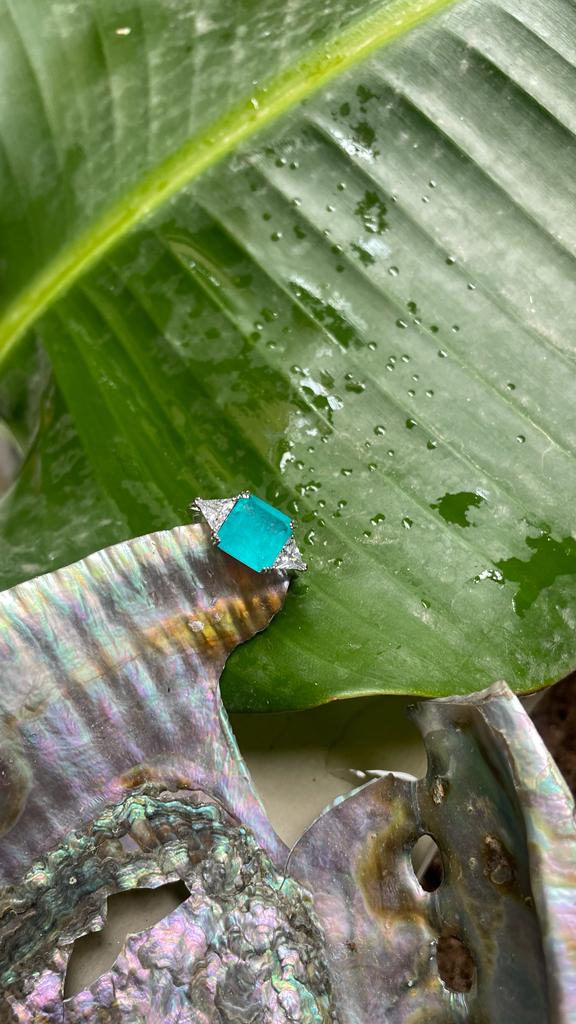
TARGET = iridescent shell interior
x,y
118,769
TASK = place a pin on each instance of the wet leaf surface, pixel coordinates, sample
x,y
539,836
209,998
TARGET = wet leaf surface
x,y
364,315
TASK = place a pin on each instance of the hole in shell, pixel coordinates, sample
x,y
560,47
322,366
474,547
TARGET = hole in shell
x,y
427,863
131,911
456,965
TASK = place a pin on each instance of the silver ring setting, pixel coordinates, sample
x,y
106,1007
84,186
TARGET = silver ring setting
x,y
252,531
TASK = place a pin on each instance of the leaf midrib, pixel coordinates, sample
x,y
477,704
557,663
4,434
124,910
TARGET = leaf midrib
x,y
201,151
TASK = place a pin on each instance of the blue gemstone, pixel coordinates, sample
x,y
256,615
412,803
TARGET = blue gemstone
x,y
254,532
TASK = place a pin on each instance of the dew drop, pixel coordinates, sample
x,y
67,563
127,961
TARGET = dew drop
x,y
520,438
401,323
393,271
429,393
379,430
346,472
488,574
442,353
378,518
407,523
431,445
510,386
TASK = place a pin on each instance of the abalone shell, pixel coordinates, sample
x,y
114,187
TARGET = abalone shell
x,y
118,769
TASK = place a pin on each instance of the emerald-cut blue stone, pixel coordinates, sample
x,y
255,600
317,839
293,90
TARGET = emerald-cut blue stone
x,y
254,532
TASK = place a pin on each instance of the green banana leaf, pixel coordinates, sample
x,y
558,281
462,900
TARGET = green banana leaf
x,y
323,251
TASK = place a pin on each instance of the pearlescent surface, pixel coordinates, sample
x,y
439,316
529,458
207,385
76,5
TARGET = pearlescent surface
x,y
119,769
503,819
110,672
244,946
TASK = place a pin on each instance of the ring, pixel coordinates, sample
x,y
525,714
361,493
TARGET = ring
x,y
251,531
